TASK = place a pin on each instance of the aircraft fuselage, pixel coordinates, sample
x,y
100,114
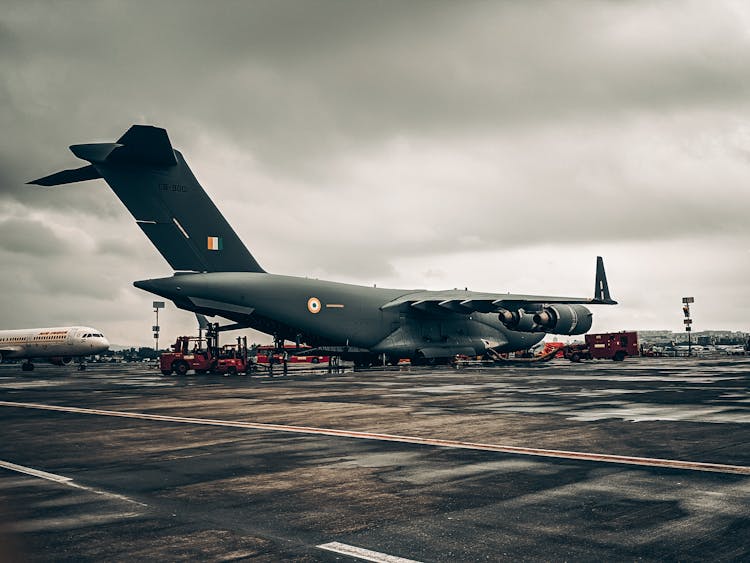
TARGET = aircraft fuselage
x,y
63,343
337,314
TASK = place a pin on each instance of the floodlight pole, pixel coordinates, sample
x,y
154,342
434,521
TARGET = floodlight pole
x,y
688,321
157,305
156,334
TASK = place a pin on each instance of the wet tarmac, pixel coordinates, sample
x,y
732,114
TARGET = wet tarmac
x,y
646,460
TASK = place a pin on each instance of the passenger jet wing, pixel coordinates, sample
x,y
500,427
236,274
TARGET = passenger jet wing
x,y
468,302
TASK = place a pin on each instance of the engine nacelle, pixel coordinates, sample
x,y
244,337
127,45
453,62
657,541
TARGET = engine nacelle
x,y
60,360
564,319
518,320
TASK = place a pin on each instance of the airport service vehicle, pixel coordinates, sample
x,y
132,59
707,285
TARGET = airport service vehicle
x,y
606,346
59,345
187,353
295,355
557,346
216,275
610,346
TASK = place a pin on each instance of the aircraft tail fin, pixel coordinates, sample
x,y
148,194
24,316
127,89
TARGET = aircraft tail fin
x,y
601,287
160,191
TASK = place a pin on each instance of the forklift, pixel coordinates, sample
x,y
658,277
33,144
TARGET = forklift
x,y
188,353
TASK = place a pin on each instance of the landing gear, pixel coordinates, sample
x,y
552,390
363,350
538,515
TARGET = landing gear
x,y
334,364
27,366
419,359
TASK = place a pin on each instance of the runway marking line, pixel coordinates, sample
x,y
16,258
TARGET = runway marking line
x,y
361,553
561,454
35,472
60,479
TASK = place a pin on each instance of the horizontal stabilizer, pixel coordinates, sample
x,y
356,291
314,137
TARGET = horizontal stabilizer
x,y
68,176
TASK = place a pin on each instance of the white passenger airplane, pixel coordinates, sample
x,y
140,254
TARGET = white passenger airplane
x,y
59,344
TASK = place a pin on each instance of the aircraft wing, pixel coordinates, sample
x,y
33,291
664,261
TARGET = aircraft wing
x,y
473,301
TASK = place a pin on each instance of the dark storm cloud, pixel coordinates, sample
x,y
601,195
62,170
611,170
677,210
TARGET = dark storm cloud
x,y
31,237
295,82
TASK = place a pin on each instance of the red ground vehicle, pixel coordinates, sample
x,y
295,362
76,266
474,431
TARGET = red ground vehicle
x,y
609,346
187,353
549,346
294,355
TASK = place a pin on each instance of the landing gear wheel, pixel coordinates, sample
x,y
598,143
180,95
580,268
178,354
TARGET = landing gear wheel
x,y
181,368
27,366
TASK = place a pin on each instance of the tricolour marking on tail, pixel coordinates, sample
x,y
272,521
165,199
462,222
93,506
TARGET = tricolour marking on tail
x,y
170,206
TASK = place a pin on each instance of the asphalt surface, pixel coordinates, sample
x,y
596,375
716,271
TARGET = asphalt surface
x,y
137,466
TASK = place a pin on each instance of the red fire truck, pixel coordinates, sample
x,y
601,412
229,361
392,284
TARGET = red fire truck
x,y
606,346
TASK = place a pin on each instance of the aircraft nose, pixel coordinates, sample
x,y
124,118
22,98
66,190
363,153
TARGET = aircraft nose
x,y
104,344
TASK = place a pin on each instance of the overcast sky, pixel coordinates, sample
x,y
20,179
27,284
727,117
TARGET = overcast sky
x,y
496,145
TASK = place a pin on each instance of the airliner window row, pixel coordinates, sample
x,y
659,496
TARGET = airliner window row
x,y
23,338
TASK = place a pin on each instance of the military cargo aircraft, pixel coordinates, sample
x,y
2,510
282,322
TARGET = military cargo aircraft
x,y
216,275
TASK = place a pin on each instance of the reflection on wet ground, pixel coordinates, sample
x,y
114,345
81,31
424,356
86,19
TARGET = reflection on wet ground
x,y
85,487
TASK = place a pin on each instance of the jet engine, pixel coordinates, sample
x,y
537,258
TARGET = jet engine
x,y
556,319
564,319
518,320
60,360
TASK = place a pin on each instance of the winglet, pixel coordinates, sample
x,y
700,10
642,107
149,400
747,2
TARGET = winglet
x,y
601,288
203,323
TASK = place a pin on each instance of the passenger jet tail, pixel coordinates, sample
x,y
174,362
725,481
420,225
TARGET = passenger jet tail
x,y
156,185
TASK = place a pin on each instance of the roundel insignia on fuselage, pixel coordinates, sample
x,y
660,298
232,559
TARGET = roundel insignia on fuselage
x,y
313,305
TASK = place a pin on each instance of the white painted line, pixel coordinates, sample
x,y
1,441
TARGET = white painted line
x,y
364,554
62,480
562,454
35,472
